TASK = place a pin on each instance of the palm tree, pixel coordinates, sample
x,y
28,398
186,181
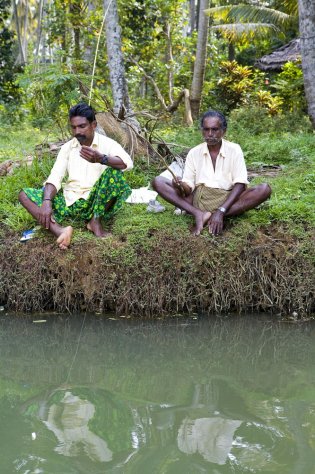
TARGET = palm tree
x,y
122,104
200,62
307,28
249,21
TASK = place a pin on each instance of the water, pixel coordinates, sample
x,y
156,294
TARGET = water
x,y
168,397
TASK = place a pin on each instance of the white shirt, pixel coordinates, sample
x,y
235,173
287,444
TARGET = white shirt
x,y
82,175
230,167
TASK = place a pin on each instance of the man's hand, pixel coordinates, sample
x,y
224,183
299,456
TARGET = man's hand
x,y
180,187
216,223
45,214
90,154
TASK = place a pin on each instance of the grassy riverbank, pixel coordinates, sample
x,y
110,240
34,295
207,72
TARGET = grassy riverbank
x,y
152,265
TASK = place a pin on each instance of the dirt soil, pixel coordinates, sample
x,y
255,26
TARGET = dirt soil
x,y
269,271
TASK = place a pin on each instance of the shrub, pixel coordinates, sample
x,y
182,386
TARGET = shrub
x,y
256,120
266,100
50,94
235,84
289,85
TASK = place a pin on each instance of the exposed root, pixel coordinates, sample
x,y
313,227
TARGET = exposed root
x,y
172,275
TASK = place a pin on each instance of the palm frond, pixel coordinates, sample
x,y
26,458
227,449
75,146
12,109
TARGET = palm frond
x,y
291,7
249,14
219,13
240,31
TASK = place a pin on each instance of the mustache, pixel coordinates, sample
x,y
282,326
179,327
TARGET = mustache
x,y
80,138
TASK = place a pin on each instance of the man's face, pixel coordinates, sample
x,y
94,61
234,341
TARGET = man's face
x,y
83,130
212,131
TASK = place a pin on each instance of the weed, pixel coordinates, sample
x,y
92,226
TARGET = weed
x,y
152,264
17,143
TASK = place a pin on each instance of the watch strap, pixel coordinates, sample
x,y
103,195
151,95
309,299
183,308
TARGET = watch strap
x,y
222,209
104,160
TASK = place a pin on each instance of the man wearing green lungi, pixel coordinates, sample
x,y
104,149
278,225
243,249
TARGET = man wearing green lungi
x,y
214,183
95,187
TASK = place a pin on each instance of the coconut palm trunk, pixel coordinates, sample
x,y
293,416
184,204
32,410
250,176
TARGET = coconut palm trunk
x,y
200,62
307,29
122,106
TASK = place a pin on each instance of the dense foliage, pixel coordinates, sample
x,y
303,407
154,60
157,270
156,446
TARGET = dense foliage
x,y
58,43
9,92
284,141
159,44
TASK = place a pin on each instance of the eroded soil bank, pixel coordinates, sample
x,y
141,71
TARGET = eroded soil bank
x,y
269,270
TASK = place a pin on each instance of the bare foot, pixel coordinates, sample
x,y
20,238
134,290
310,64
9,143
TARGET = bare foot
x,y
64,238
201,220
95,226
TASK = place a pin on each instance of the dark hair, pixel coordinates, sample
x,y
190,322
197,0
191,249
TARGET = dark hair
x,y
214,113
82,110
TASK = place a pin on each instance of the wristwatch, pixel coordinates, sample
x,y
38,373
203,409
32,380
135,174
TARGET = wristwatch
x,y
104,160
222,209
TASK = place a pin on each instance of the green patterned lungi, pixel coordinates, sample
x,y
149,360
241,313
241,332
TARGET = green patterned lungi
x,y
110,186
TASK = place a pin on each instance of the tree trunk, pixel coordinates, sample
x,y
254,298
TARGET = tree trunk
x,y
21,58
307,28
64,45
77,49
188,117
198,14
88,49
200,62
170,61
122,105
192,15
231,51
25,31
76,10
41,9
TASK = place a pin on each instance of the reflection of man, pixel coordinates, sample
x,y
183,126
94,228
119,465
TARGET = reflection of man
x,y
95,187
69,422
210,437
214,181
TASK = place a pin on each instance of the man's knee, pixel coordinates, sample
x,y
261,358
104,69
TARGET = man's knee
x,y
157,183
22,197
265,191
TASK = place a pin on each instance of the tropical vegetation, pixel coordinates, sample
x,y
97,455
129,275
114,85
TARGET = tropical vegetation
x,y
154,67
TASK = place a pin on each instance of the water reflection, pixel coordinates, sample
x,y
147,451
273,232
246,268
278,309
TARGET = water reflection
x,y
68,420
219,396
210,437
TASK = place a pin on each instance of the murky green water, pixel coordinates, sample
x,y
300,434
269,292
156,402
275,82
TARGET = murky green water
x,y
220,396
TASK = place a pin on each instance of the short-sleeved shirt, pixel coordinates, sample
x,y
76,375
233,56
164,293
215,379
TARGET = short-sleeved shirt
x,y
81,174
230,167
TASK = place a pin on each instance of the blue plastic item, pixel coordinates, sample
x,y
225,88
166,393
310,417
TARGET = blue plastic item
x,y
27,235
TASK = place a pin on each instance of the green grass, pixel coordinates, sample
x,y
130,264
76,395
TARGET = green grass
x,y
292,199
17,142
293,188
264,259
11,212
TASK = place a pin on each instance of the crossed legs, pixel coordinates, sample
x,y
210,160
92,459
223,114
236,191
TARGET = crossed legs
x,y
64,234
249,199
166,189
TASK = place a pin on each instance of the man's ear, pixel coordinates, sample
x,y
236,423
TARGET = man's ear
x,y
94,124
